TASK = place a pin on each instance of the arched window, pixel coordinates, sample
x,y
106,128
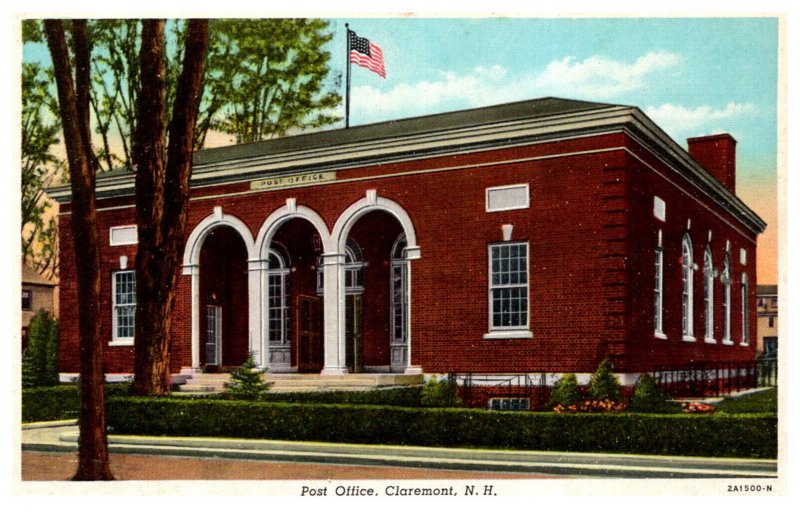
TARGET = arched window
x,y
687,301
398,292
658,290
726,300
278,295
353,270
745,314
708,294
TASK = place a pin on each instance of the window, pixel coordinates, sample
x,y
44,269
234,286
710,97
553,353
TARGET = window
x,y
398,292
658,291
708,294
510,404
353,270
124,306
726,300
508,288
659,209
771,321
278,296
27,300
688,289
745,312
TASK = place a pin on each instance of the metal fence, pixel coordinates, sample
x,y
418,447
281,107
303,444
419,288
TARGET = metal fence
x,y
715,378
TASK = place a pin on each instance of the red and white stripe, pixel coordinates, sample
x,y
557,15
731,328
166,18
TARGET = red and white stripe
x,y
374,62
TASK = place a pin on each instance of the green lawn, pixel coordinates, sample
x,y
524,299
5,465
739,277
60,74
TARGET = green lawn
x,y
763,401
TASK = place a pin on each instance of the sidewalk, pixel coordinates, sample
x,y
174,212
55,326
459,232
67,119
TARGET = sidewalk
x,y
62,437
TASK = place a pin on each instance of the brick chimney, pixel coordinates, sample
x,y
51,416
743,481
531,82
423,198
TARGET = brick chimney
x,y
717,153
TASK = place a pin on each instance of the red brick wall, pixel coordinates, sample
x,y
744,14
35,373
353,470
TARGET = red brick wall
x,y
590,231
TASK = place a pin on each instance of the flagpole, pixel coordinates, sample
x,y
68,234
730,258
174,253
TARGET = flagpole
x,y
347,93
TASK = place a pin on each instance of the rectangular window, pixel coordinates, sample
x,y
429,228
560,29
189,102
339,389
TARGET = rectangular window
x,y
510,404
508,197
508,286
745,312
771,321
658,293
27,300
124,305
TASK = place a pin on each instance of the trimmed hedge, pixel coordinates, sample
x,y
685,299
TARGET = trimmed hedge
x,y
752,435
58,402
401,397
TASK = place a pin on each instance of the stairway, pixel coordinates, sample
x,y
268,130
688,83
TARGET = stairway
x,y
205,383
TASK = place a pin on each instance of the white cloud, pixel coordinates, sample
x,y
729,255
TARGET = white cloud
x,y
603,77
593,78
702,120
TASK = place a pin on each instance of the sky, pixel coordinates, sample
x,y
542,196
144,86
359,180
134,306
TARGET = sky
x,y
692,76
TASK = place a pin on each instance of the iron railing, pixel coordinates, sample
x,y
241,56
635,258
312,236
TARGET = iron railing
x,y
715,378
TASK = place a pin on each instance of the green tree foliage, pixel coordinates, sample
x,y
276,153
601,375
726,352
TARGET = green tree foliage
x,y
267,77
604,385
40,166
649,397
247,382
40,362
566,391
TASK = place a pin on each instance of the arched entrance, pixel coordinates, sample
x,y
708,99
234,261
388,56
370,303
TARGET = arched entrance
x,y
216,260
381,336
223,295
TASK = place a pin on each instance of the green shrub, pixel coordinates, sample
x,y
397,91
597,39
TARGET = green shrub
x,y
440,393
604,385
566,392
40,363
752,435
398,396
59,402
649,397
247,382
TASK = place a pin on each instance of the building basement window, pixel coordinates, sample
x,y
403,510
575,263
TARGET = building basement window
x,y
510,404
508,290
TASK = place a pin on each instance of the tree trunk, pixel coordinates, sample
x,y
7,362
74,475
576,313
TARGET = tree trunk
x,y
162,196
93,445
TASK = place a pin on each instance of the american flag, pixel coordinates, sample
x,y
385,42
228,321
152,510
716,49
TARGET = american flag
x,y
366,54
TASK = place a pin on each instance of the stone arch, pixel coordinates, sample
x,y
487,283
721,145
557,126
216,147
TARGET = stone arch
x,y
372,202
287,212
191,254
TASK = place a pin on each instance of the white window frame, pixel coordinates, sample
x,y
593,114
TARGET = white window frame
x,y
708,294
508,332
398,293
687,295
658,291
112,229
117,340
524,206
726,301
745,312
282,274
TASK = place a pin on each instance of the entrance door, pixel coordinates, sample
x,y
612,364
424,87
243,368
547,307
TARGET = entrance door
x,y
310,347
213,335
354,337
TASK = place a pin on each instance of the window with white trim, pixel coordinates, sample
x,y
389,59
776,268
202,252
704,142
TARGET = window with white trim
x,y
508,286
745,314
658,290
123,283
398,292
278,296
726,300
708,294
353,270
687,297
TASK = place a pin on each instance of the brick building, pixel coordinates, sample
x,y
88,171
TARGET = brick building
x,y
538,236
767,303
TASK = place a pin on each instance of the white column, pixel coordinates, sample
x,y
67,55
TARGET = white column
x,y
194,272
412,253
257,345
334,305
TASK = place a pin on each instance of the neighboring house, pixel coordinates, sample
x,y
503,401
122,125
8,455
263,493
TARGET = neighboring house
x,y
37,293
767,301
538,236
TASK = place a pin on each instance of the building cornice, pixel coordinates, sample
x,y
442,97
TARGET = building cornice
x,y
448,142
